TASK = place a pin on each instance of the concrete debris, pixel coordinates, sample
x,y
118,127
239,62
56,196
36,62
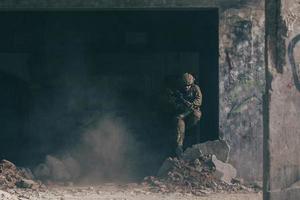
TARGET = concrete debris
x,y
224,171
12,177
6,196
237,180
218,147
201,176
25,183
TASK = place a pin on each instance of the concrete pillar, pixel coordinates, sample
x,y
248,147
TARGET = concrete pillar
x,y
282,105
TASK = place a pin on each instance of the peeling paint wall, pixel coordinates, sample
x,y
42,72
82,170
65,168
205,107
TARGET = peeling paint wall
x,y
282,160
241,72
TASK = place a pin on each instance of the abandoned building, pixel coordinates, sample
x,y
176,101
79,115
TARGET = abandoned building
x,y
65,64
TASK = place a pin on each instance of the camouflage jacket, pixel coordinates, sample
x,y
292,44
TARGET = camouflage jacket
x,y
193,96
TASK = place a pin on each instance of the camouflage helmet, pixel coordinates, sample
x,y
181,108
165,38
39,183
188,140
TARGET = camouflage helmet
x,y
188,79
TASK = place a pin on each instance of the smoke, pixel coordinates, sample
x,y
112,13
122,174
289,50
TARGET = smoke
x,y
64,169
106,151
91,112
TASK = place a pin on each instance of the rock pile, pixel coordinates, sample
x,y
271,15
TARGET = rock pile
x,y
12,177
195,173
219,148
198,177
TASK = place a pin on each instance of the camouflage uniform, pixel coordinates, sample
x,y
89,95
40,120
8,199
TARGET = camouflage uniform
x,y
187,107
190,116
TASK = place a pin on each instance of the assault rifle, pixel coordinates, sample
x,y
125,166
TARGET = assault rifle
x,y
179,98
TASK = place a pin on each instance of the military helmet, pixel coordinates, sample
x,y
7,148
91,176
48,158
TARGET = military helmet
x,y
188,79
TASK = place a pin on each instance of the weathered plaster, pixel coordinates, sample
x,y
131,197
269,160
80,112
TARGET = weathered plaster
x,y
241,88
282,161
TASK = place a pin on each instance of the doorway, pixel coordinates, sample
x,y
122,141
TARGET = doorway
x,y
92,63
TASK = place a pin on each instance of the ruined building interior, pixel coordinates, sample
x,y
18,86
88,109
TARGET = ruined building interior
x,y
83,99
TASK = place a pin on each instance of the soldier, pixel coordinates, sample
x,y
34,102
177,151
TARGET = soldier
x,y
187,101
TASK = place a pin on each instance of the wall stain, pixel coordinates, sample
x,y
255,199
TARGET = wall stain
x,y
237,107
295,72
277,32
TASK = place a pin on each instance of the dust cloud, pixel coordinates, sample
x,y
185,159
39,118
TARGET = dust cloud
x,y
107,151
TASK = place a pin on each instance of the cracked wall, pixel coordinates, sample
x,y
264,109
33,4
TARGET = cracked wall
x,y
241,71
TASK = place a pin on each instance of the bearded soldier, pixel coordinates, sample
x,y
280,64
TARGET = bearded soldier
x,y
186,101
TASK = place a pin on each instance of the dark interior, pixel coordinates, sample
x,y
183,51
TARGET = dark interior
x,y
61,70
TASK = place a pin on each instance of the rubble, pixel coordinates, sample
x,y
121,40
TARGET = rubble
x,y
224,171
176,176
7,196
203,175
12,177
25,183
218,147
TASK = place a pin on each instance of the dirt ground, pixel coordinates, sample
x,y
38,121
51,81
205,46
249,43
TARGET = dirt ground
x,y
114,192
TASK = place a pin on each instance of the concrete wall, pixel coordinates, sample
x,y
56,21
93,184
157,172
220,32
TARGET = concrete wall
x,y
282,160
241,88
241,71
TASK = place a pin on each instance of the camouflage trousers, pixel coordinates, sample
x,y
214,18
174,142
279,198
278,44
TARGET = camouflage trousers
x,y
185,121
